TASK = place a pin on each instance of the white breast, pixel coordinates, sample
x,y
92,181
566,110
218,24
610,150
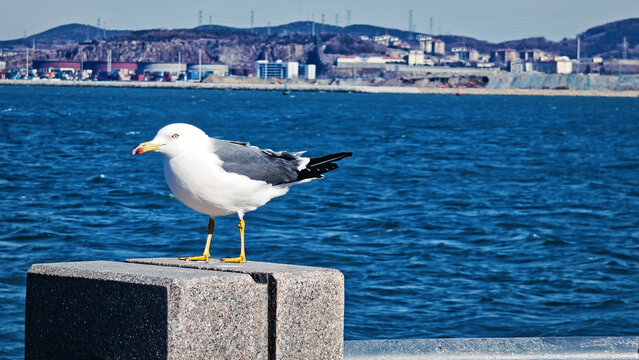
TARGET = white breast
x,y
198,181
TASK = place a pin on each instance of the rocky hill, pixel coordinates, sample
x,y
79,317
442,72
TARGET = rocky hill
x,y
60,36
607,40
302,41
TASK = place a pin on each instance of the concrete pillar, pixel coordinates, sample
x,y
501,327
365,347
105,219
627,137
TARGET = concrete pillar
x,y
172,309
306,305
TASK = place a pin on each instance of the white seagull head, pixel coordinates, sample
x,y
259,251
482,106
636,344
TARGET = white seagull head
x,y
174,139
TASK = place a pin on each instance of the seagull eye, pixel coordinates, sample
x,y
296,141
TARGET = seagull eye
x,y
175,136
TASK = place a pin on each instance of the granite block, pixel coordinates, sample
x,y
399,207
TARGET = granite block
x,y
111,310
306,305
600,348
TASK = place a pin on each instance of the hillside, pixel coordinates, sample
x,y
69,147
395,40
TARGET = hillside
x,y
64,35
295,41
607,40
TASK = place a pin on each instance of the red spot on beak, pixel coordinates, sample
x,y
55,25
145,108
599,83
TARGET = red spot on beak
x,y
137,150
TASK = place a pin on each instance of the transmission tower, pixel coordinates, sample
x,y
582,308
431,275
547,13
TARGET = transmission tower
x,y
252,19
199,18
210,19
348,17
337,19
410,20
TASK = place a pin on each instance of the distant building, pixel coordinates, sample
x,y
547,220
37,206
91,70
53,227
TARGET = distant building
x,y
387,40
54,65
439,47
483,58
284,70
157,68
425,43
103,69
560,65
464,54
291,70
3,65
503,56
516,66
392,60
307,71
415,57
532,55
528,67
206,69
614,67
360,62
103,66
370,62
586,66
269,70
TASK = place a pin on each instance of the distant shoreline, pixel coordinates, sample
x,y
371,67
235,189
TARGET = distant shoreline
x,y
327,88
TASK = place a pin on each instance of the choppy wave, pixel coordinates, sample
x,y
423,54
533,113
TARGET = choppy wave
x,y
456,216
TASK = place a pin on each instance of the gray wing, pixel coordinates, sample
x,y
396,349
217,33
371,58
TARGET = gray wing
x,y
273,167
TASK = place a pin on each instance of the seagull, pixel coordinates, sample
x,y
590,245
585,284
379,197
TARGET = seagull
x,y
220,177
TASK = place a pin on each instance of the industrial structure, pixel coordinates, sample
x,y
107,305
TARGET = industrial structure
x,y
125,71
278,69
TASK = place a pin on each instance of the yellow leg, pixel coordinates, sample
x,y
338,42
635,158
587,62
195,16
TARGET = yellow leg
x,y
242,257
206,255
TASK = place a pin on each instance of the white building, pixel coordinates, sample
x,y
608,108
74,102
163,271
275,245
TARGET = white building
x,y
172,68
560,65
564,65
439,47
284,70
291,70
366,62
415,57
307,71
387,40
425,43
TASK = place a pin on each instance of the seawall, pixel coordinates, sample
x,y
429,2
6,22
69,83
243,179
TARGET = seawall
x,y
498,89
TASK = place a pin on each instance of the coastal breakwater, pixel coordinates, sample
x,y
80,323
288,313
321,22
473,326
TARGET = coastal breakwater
x,y
563,82
498,84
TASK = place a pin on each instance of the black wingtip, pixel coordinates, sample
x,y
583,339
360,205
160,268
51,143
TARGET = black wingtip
x,y
328,158
320,165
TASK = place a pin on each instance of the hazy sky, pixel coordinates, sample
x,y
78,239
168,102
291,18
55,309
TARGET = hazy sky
x,y
492,20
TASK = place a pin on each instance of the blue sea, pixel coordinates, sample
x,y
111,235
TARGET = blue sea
x,y
457,216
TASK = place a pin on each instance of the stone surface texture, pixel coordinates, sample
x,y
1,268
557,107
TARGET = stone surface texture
x,y
111,310
306,305
601,348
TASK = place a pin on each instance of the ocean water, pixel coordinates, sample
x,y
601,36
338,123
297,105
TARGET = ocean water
x,y
471,216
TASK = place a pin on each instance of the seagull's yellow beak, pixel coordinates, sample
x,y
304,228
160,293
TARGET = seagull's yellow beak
x,y
145,147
